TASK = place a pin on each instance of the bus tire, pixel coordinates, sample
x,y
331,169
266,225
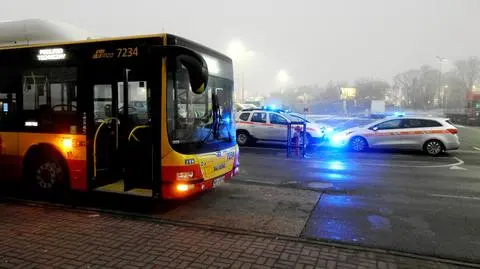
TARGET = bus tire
x,y
45,171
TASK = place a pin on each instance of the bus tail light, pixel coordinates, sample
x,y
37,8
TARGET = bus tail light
x,y
452,131
184,175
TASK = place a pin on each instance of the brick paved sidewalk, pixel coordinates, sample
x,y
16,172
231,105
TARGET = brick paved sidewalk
x,y
35,237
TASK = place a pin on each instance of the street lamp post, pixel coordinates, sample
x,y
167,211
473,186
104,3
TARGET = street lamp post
x,y
441,60
239,54
283,78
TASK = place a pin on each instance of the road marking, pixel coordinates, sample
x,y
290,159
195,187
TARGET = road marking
x,y
274,149
466,151
455,196
457,168
459,162
476,148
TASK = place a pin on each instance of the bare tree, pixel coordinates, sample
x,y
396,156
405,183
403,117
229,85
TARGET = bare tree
x,y
429,85
371,89
332,90
468,71
455,90
407,84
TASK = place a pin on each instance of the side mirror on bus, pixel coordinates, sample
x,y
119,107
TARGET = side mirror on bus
x,y
197,71
194,62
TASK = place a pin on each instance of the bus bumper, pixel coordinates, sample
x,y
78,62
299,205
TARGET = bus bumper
x,y
178,190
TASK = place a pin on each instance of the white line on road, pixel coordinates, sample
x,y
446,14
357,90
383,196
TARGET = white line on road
x,y
455,196
476,148
457,168
274,149
466,151
369,163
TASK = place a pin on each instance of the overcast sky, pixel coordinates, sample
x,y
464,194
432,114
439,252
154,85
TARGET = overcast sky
x,y
313,40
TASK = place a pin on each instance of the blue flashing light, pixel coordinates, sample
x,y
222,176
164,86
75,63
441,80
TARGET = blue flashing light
x,y
338,140
272,107
399,114
329,130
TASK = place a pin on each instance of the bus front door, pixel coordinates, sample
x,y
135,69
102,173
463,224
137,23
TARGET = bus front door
x,y
122,141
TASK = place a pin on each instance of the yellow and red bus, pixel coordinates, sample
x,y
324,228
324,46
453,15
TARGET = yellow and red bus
x,y
144,115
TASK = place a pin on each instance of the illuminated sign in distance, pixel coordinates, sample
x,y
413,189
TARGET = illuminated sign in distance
x,y
51,54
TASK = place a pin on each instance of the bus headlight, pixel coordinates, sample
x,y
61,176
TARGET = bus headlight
x,y
184,187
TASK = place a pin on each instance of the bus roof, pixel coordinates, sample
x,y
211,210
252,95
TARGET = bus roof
x,y
79,42
171,40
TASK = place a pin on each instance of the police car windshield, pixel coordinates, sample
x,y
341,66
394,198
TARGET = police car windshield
x,y
297,117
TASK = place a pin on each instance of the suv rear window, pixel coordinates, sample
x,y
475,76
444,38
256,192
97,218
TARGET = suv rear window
x,y
259,117
244,116
420,123
431,123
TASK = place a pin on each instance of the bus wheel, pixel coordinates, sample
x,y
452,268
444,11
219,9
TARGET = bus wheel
x,y
47,174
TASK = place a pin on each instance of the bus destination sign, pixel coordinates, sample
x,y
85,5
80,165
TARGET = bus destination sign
x,y
118,53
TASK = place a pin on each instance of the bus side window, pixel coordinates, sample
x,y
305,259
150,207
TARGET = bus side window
x,y
50,99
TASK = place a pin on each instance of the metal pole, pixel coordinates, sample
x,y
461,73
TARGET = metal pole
x,y
289,139
304,144
243,87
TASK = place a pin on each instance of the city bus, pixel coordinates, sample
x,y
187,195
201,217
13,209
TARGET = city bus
x,y
143,115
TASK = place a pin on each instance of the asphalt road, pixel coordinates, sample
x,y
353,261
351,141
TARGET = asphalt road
x,y
397,200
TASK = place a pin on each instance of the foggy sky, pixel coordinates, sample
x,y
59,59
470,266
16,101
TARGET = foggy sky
x,y
313,40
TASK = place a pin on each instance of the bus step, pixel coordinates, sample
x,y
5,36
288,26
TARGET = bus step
x,y
119,187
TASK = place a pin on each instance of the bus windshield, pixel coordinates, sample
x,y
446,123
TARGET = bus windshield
x,y
191,117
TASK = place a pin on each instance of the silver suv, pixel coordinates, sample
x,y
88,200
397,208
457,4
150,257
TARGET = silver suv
x,y
271,126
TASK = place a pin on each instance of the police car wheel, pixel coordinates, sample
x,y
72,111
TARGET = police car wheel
x,y
358,144
243,138
433,147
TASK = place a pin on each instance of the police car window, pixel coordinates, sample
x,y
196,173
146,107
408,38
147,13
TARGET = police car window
x,y
413,123
259,117
277,119
391,124
431,123
244,116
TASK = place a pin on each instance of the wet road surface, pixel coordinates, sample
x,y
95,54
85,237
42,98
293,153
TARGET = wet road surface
x,y
395,200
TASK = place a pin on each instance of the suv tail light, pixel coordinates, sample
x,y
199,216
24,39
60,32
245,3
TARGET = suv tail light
x,y
452,131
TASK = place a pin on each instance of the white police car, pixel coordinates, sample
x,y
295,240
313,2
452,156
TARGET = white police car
x,y
266,125
432,135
